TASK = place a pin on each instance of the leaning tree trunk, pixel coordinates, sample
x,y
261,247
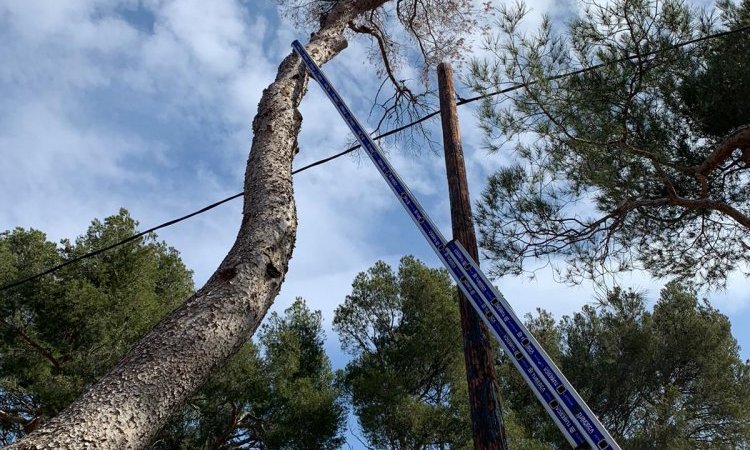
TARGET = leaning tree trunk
x,y
126,408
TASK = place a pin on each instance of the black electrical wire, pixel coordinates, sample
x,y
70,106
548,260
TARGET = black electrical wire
x,y
119,243
609,63
206,208
355,147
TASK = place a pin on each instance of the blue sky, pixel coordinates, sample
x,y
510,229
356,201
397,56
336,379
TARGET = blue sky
x,y
147,105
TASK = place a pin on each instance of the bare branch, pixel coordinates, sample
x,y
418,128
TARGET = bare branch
x,y
737,139
43,351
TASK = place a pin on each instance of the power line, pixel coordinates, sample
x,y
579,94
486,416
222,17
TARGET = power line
x,y
119,243
515,87
610,63
204,209
381,136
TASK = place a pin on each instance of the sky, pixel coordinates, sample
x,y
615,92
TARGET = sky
x,y
147,105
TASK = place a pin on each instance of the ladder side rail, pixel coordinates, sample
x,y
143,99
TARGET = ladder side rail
x,y
544,394
525,340
431,232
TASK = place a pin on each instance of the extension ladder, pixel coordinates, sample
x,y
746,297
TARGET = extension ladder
x,y
575,419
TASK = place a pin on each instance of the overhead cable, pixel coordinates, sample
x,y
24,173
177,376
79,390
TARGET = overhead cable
x,y
381,136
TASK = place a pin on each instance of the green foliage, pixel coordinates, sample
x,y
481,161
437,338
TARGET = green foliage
x,y
406,380
665,379
631,165
724,74
277,395
305,406
62,332
669,378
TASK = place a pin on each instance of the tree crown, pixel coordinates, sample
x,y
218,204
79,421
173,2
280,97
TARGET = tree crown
x,y
635,164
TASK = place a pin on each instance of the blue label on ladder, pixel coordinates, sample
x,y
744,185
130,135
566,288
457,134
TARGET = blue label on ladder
x,y
546,381
528,345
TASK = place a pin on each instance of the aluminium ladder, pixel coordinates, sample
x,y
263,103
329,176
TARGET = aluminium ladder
x,y
577,422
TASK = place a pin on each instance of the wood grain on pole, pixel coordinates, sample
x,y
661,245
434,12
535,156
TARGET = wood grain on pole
x,y
486,415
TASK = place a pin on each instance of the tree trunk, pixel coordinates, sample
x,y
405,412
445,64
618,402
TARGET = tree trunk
x,y
127,407
487,424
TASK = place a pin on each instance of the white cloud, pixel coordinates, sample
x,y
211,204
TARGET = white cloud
x,y
69,62
58,169
213,32
97,112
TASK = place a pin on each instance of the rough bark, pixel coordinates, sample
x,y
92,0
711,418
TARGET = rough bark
x,y
130,404
486,414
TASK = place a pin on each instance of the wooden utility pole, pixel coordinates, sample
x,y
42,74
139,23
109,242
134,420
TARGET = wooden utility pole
x,y
486,415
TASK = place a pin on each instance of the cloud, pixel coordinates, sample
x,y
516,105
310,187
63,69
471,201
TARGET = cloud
x,y
148,104
213,33
97,105
57,168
